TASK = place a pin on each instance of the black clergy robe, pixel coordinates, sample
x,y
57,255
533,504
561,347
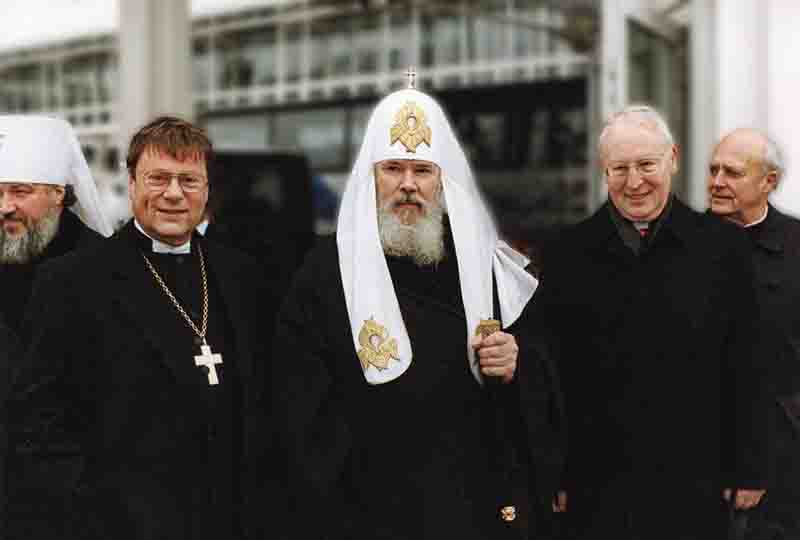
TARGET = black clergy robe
x,y
665,396
422,456
16,280
116,432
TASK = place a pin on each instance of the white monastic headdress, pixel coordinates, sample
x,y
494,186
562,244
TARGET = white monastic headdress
x,y
366,281
44,150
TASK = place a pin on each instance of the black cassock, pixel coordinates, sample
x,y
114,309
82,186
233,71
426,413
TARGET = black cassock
x,y
431,454
116,432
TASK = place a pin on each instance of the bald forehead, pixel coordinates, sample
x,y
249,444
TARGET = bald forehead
x,y
745,141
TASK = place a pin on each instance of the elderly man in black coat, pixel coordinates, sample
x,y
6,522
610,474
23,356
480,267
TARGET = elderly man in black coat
x,y
745,169
145,367
652,309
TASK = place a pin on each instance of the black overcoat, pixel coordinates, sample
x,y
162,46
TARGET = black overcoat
x,y
109,401
16,280
664,401
776,261
406,459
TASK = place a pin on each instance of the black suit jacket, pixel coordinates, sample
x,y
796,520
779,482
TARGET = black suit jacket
x,y
662,394
111,404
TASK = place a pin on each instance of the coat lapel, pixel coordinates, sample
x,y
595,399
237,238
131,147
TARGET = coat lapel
x,y
230,285
137,295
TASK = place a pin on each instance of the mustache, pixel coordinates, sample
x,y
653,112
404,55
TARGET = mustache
x,y
410,199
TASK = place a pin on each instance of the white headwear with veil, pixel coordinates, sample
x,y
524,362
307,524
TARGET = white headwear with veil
x,y
368,288
45,150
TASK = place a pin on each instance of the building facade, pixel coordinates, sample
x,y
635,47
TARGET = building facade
x,y
514,75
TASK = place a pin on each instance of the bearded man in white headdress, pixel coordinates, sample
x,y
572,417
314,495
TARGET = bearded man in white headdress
x,y
408,406
42,172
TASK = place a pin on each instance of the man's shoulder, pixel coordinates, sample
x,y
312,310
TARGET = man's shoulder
x,y
705,233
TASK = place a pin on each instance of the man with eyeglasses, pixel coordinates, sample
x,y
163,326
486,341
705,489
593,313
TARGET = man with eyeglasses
x,y
146,363
745,168
652,310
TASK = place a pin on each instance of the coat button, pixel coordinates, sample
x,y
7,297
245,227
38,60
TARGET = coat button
x,y
198,341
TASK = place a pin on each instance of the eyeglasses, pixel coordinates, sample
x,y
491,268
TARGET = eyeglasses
x,y
161,180
644,166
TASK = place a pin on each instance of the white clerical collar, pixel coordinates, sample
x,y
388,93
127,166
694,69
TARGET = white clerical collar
x,y
202,227
161,247
759,220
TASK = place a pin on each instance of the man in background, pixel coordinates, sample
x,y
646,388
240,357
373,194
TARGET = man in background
x,y
745,169
42,173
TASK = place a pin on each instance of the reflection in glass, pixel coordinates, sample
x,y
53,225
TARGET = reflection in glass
x,y
367,40
331,46
399,41
294,53
21,90
246,58
487,31
440,40
319,133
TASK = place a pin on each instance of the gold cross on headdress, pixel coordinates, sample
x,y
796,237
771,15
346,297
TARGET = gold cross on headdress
x,y
412,77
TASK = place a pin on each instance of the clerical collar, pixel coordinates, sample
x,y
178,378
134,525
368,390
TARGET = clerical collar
x,y
629,230
759,220
161,247
202,227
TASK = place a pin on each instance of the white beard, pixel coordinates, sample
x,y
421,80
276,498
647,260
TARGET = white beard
x,y
26,247
423,241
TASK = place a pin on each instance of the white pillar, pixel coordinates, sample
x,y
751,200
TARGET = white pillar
x,y
703,106
154,62
783,76
730,79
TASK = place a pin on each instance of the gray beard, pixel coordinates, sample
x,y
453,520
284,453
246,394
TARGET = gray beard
x,y
423,241
28,246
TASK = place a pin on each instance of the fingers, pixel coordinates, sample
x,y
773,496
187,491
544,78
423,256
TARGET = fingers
x,y
560,502
497,355
747,499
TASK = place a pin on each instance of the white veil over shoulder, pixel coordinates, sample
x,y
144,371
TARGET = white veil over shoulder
x,y
45,150
368,288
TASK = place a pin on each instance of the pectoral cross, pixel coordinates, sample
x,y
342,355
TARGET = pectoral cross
x,y
412,77
209,360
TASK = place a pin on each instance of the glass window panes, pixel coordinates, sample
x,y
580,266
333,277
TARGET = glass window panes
x,y
246,58
331,48
21,88
441,39
294,53
248,132
368,43
318,133
201,64
488,30
399,41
